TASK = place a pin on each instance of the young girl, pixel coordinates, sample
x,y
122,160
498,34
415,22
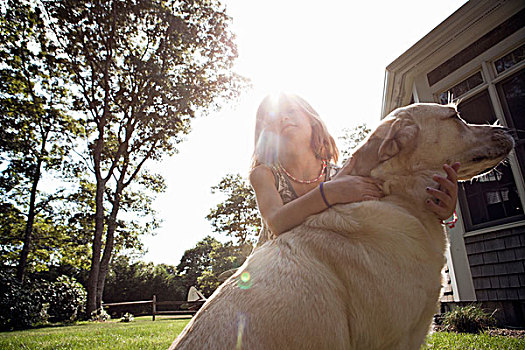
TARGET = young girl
x,y
293,175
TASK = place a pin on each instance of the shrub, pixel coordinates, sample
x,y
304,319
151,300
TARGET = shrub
x,y
468,319
100,315
127,317
66,298
21,305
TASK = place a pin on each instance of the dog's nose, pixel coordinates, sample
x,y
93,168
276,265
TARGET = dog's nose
x,y
503,137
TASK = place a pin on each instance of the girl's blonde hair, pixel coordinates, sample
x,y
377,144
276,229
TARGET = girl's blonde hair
x,y
267,141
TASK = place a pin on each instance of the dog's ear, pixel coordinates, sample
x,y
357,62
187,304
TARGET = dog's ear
x,y
401,133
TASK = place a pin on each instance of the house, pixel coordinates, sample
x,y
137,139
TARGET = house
x,y
477,55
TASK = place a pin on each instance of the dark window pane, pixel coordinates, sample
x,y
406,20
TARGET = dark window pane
x,y
493,198
462,88
512,96
475,80
510,60
478,109
477,210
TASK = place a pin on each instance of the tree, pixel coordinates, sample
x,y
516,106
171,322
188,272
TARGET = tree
x,y
35,132
237,216
143,69
12,224
195,261
138,280
224,258
201,266
352,138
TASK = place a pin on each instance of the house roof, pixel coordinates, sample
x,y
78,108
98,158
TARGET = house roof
x,y
465,26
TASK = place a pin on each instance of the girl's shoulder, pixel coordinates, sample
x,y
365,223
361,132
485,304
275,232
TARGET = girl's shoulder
x,y
261,170
262,174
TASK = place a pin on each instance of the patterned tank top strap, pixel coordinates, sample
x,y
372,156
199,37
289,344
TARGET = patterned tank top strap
x,y
283,185
331,171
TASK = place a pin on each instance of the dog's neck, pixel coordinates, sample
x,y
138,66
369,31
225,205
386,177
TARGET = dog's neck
x,y
405,188
409,191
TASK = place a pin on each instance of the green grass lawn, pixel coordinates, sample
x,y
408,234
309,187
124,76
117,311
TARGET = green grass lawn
x,y
462,341
145,334
114,335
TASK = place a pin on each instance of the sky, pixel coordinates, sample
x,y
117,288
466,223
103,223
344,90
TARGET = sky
x,y
333,53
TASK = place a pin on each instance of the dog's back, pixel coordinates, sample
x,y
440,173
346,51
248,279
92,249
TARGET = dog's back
x,y
272,303
328,284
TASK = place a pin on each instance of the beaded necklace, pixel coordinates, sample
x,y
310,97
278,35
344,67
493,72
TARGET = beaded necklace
x,y
304,181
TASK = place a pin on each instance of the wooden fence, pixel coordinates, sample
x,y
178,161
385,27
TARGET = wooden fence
x,y
190,307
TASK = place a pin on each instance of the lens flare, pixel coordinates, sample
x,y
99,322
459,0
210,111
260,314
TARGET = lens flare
x,y
240,331
244,280
268,146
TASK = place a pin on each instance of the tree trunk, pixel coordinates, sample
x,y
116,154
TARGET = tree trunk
x,y
101,181
28,234
96,250
99,226
104,264
108,249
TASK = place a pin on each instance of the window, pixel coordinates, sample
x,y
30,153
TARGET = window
x,y
461,88
511,93
493,198
510,59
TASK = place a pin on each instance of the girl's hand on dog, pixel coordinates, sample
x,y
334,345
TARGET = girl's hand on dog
x,y
350,189
346,188
445,197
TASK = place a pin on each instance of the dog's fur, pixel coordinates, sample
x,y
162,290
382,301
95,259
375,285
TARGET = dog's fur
x,y
358,276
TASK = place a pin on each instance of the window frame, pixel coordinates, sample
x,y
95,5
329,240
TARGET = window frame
x,y
485,64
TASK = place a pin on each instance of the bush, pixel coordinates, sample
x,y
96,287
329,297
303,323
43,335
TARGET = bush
x,y
127,317
21,305
100,315
468,319
66,298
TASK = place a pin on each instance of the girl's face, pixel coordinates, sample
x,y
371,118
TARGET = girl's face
x,y
293,122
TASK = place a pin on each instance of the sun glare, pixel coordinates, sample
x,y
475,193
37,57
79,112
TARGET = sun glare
x,y
331,53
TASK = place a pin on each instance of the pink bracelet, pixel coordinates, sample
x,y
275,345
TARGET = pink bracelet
x,y
451,224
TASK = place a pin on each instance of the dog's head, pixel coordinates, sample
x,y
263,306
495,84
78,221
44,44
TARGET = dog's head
x,y
425,136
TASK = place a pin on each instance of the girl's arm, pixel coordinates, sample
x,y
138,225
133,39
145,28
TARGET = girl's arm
x,y
283,217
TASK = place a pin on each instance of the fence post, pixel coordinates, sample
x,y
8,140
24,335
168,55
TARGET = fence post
x,y
154,307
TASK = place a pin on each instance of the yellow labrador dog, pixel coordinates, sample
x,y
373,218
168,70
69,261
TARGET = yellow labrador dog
x,y
357,276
